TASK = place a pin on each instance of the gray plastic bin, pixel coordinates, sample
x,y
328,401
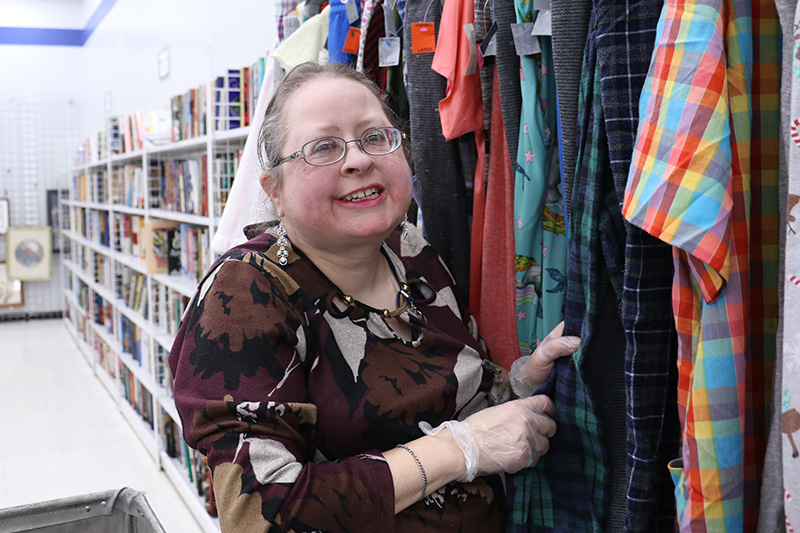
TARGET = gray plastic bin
x,y
113,511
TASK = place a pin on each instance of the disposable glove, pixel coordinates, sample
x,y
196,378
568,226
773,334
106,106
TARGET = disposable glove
x,y
504,438
530,371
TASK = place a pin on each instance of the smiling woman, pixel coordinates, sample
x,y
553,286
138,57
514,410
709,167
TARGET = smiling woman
x,y
326,367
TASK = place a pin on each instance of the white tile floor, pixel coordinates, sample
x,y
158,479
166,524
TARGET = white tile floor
x,y
61,434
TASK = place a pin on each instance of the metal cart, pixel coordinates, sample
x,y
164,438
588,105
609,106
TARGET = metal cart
x,y
114,511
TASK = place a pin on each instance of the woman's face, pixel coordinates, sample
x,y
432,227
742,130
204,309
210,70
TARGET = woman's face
x,y
317,204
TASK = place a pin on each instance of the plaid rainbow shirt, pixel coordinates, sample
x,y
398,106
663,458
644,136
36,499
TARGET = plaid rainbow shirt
x,y
702,127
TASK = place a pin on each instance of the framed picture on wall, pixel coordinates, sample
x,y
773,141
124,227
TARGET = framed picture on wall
x,y
5,216
11,290
29,252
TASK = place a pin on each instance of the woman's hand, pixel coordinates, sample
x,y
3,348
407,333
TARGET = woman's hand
x,y
527,373
504,438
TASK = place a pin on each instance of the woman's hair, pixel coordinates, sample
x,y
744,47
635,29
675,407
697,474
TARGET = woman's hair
x,y
274,130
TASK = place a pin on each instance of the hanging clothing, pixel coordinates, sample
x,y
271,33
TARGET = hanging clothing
x,y
540,237
570,26
437,162
497,321
567,490
790,406
626,28
689,186
305,43
339,28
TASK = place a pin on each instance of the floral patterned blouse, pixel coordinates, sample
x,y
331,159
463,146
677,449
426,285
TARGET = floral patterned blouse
x,y
293,398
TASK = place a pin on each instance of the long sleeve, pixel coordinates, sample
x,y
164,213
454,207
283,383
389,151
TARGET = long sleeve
x,y
240,372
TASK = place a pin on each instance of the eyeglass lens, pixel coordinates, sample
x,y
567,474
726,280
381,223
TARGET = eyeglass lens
x,y
327,150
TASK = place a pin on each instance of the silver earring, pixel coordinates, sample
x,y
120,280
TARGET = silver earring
x,y
405,224
283,243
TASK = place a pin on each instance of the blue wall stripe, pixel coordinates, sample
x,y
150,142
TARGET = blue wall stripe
x,y
56,36
42,36
97,17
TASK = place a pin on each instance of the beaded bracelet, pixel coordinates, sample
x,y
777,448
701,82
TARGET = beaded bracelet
x,y
421,470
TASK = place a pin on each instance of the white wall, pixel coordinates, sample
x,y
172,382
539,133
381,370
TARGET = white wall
x,y
204,37
44,13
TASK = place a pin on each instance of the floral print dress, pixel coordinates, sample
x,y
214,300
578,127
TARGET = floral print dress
x,y
293,398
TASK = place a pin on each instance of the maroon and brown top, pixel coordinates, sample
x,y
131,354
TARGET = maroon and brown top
x,y
293,399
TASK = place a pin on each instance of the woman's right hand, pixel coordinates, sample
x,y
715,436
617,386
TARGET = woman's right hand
x,y
513,435
504,438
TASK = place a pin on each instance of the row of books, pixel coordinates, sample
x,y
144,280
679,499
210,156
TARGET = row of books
x,y
103,313
132,289
106,357
225,165
92,225
137,395
183,185
192,462
129,236
129,133
91,150
132,339
128,186
90,186
161,371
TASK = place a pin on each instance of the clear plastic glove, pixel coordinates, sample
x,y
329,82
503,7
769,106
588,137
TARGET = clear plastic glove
x,y
503,438
530,371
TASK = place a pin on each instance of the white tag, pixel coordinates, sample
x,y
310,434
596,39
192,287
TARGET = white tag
x,y
472,62
491,48
388,19
525,43
543,24
541,4
352,11
388,51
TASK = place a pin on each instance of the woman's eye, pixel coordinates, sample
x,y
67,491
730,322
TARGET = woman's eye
x,y
324,145
376,137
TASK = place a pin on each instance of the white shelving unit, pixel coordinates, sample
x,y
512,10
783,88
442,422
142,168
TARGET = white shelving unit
x,y
104,323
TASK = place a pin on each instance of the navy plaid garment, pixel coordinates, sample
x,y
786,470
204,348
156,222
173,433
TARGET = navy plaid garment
x,y
571,488
625,32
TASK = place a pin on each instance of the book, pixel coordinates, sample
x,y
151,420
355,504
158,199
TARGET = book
x,y
157,235
174,252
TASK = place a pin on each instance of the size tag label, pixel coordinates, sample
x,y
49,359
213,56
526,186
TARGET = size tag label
x,y
543,25
352,11
351,42
489,45
525,43
388,19
472,62
541,4
388,51
423,37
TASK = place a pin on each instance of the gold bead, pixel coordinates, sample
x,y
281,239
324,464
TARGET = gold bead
x,y
386,313
404,287
348,299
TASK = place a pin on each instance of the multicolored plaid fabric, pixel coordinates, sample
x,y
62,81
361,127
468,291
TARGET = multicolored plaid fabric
x,y
567,490
689,186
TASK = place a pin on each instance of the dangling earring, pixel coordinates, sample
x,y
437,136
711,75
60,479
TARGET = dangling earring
x,y
283,243
405,225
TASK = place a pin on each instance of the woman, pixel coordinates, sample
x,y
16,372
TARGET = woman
x,y
325,367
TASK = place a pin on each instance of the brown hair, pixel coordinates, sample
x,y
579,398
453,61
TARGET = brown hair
x,y
274,130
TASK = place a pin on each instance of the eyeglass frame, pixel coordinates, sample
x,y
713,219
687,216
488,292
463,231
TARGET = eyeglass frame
x,y
300,154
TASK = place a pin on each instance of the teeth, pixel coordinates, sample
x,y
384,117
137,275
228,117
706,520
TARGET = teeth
x,y
372,192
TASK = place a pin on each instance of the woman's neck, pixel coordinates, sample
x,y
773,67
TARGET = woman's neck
x,y
362,272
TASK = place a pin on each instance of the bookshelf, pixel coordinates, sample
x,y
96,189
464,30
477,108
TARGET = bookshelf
x,y
141,218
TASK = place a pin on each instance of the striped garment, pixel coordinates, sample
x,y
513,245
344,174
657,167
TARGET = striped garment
x,y
690,185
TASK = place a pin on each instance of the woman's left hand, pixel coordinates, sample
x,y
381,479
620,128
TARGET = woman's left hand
x,y
527,373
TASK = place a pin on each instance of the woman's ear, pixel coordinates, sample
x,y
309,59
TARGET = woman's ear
x,y
268,183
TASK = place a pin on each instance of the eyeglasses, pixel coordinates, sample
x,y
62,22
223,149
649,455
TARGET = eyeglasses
x,y
329,150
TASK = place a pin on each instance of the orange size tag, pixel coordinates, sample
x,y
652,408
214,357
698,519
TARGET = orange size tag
x,y
351,42
423,37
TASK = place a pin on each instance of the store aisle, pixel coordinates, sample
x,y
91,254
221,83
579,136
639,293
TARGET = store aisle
x,y
61,433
